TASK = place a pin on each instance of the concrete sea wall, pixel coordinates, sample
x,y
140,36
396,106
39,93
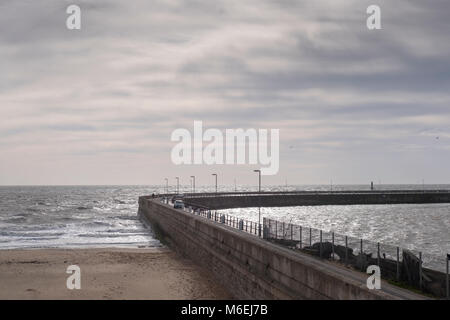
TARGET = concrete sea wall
x,y
222,201
248,266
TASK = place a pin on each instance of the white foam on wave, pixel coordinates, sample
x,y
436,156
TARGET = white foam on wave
x,y
49,217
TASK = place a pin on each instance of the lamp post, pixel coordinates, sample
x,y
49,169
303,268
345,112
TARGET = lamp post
x,y
215,174
167,185
178,185
447,289
193,184
259,208
259,174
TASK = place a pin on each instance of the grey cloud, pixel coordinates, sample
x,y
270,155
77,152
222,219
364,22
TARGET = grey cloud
x,y
137,70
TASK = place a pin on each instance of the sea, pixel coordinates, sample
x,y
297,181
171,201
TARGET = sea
x,y
106,216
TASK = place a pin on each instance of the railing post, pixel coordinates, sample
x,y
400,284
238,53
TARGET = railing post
x,y
332,245
346,249
320,247
276,229
362,265
447,285
264,229
310,237
290,224
301,237
398,264
420,270
378,253
283,231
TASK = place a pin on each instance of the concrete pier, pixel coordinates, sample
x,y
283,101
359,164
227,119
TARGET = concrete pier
x,y
314,198
252,268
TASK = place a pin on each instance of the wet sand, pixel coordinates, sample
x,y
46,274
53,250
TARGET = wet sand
x,y
155,273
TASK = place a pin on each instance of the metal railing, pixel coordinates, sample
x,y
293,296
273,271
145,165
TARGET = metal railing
x,y
351,251
225,219
423,270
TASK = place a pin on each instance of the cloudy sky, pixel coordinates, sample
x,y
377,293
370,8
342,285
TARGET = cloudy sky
x,y
98,105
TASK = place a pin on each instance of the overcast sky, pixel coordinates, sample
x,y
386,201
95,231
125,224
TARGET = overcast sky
x,y
98,105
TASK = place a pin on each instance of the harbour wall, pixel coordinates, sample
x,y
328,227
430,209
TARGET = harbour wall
x,y
226,201
250,267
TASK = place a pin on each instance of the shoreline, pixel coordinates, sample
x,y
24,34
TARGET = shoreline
x,y
106,273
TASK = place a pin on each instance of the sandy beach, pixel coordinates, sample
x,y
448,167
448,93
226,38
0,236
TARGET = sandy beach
x,y
156,273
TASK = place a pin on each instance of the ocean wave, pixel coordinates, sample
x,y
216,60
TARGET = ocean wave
x,y
100,235
15,219
84,208
98,223
58,216
126,217
30,234
38,238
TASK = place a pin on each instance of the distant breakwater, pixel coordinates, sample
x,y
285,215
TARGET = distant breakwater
x,y
314,198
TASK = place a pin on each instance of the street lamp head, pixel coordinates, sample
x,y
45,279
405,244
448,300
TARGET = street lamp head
x,y
256,170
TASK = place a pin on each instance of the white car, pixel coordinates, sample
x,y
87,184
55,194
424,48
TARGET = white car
x,y
178,204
